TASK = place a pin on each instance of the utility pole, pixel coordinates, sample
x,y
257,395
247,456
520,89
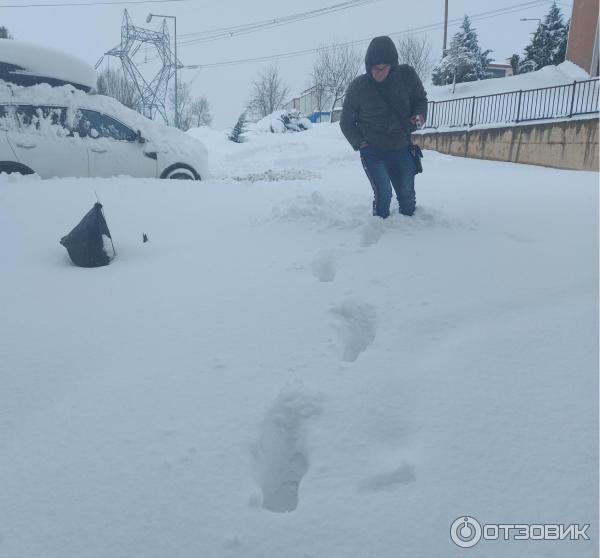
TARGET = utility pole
x,y
445,27
176,78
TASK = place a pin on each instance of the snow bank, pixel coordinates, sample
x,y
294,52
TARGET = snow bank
x,y
563,74
281,121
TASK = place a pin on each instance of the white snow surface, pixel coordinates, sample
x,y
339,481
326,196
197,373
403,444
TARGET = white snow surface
x,y
277,373
47,62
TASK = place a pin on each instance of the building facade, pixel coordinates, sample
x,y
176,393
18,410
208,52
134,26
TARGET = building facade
x,y
308,103
499,70
582,46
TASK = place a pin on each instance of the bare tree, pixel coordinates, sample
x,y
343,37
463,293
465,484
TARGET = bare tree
x,y
268,92
200,112
335,67
317,85
191,112
113,83
416,52
184,102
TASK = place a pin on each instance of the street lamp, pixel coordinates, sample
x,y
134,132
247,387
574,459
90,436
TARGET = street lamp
x,y
148,20
532,19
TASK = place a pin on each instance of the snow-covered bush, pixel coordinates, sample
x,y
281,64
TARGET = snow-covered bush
x,y
282,121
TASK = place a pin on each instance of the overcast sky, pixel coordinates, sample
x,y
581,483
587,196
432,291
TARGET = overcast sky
x,y
89,31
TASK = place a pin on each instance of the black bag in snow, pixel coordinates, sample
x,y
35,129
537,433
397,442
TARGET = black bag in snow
x,y
416,154
87,242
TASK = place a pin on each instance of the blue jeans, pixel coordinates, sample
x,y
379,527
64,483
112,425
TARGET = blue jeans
x,y
396,167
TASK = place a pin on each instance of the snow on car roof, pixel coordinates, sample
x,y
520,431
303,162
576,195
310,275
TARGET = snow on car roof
x,y
26,63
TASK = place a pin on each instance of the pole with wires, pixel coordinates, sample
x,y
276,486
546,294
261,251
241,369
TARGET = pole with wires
x,y
176,78
445,28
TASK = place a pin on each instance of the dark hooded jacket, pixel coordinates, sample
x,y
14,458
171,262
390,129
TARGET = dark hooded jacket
x,y
379,113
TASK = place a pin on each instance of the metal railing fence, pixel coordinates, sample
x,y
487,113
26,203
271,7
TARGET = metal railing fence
x,y
559,101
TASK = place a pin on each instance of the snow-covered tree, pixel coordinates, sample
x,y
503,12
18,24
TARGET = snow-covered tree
x,y
563,39
416,52
515,63
464,60
548,44
4,33
114,83
455,66
238,130
268,93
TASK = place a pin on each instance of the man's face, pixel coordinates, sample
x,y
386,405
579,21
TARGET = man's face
x,y
380,71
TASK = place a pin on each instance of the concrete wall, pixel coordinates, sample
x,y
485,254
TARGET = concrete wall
x,y
569,144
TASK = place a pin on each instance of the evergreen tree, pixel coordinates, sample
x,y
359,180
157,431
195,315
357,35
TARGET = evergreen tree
x,y
238,129
515,64
464,60
471,42
563,38
4,33
549,42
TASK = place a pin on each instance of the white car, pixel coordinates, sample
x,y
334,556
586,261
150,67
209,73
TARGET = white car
x,y
61,130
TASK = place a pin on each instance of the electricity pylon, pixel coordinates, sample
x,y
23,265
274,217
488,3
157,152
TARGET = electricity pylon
x,y
152,94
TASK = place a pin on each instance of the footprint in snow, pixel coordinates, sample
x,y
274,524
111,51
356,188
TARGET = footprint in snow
x,y
357,327
372,231
281,456
324,266
389,480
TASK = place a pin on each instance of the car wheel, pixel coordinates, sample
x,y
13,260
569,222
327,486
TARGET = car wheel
x,y
10,168
180,171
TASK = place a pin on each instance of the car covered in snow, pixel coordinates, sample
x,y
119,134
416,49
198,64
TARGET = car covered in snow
x,y
53,124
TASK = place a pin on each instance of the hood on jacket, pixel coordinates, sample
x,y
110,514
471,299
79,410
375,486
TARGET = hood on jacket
x,y
382,50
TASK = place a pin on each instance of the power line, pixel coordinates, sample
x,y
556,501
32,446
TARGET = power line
x,y
430,27
226,32
85,4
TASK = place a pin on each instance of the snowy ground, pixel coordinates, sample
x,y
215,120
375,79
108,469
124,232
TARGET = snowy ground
x,y
272,333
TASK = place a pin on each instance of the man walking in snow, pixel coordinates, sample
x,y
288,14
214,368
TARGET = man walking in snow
x,y
381,109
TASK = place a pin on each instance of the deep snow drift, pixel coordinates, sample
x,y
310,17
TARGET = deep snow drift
x,y
278,374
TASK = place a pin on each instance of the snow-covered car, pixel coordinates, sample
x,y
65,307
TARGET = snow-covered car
x,y
67,130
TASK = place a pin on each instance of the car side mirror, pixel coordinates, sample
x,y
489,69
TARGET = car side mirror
x,y
140,138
